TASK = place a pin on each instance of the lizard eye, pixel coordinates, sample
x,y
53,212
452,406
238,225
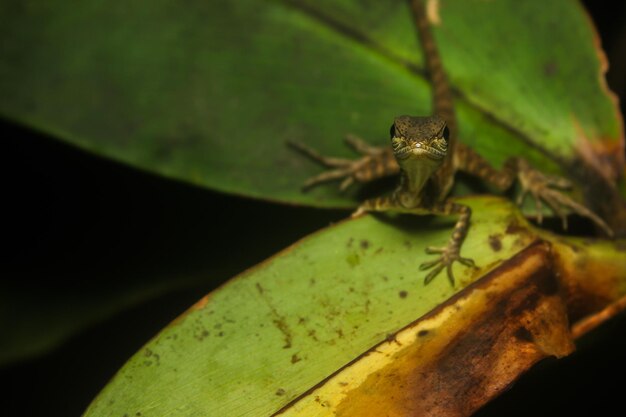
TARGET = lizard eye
x,y
392,131
446,133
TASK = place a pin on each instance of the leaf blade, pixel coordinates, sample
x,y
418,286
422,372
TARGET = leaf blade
x,y
299,316
183,92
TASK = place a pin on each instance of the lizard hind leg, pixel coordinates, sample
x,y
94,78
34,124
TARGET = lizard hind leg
x,y
546,188
542,188
452,251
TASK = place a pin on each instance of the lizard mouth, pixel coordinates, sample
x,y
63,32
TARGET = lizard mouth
x,y
435,150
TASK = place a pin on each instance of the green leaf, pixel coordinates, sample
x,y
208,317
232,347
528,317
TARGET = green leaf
x,y
209,92
273,332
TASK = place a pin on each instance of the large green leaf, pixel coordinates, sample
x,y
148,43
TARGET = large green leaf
x,y
208,92
270,334
277,330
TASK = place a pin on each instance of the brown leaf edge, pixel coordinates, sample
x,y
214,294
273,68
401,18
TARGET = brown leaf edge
x,y
599,167
471,348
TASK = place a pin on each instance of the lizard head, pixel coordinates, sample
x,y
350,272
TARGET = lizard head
x,y
419,139
420,145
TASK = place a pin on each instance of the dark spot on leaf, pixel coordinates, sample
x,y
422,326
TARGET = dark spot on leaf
x,y
422,333
280,392
295,358
281,325
495,242
200,336
349,244
407,244
391,337
514,228
524,334
403,294
365,244
259,288
379,250
339,332
220,334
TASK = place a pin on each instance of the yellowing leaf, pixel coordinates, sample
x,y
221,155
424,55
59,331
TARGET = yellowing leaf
x,y
274,333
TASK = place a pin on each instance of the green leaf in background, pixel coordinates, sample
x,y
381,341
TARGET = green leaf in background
x,y
208,92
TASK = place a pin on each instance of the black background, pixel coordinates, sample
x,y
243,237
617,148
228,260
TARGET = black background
x,y
55,198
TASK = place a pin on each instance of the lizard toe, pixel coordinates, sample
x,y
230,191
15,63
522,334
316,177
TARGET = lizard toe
x,y
432,250
432,274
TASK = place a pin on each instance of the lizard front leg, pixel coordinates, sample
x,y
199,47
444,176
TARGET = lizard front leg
x,y
540,186
452,251
447,254
375,163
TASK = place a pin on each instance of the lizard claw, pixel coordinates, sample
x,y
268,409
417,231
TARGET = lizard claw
x,y
545,189
449,254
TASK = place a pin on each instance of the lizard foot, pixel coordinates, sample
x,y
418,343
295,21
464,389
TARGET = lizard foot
x,y
546,189
374,163
448,255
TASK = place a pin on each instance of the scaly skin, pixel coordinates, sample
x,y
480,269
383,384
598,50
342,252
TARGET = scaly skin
x,y
421,148
426,154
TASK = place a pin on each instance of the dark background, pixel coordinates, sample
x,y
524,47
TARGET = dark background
x,y
59,197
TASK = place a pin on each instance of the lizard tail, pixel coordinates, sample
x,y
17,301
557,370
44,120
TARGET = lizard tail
x,y
443,104
442,94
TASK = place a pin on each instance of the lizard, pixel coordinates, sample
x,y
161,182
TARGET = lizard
x,y
426,153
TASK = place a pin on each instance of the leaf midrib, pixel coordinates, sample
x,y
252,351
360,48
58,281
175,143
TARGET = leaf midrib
x,y
354,34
